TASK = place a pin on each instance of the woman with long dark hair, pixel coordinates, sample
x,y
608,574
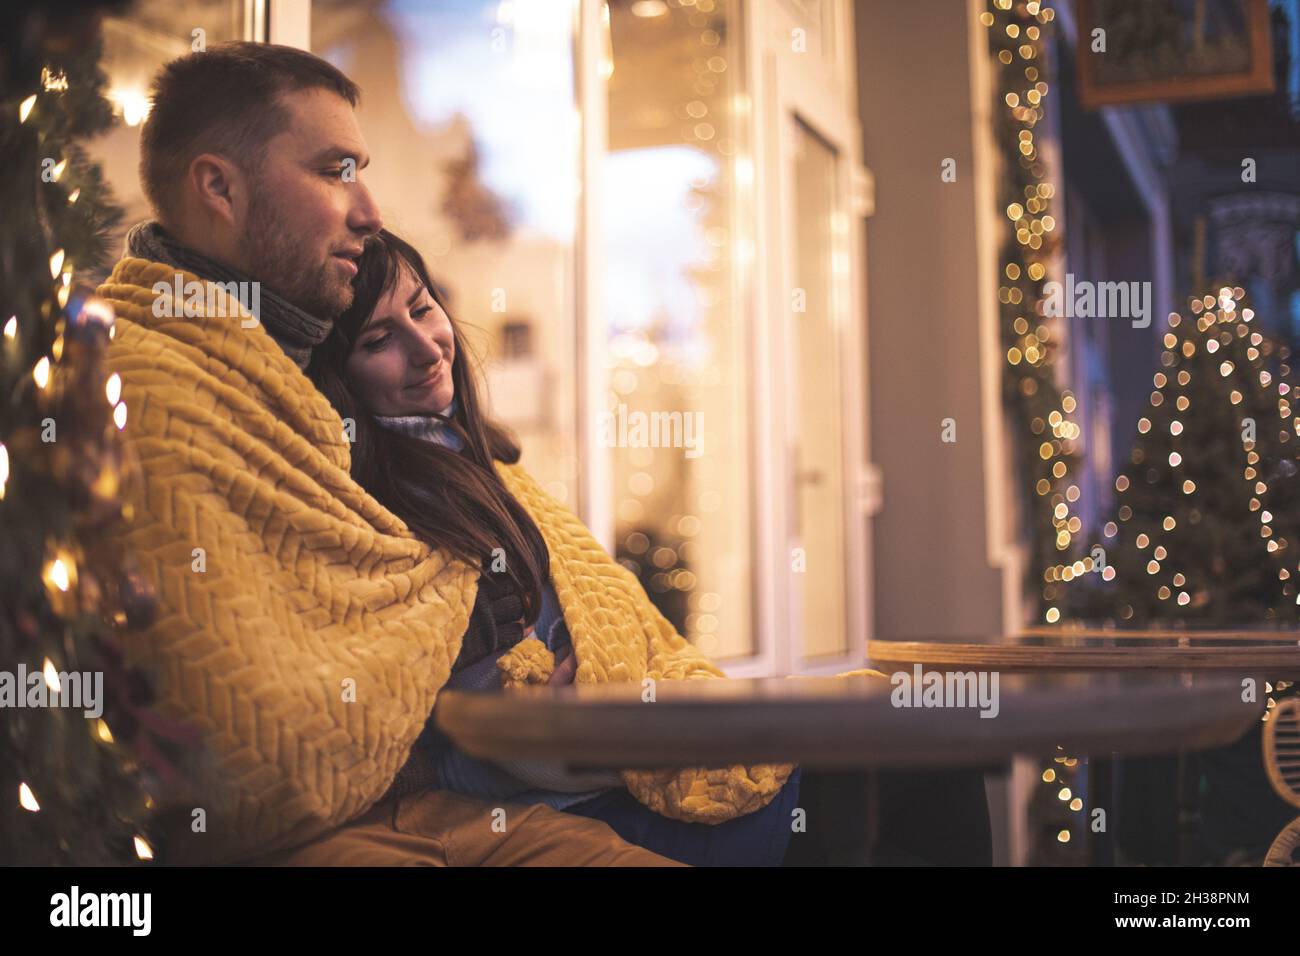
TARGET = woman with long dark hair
x,y
446,491
397,369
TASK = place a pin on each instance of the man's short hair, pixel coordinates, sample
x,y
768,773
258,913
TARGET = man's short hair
x,y
224,100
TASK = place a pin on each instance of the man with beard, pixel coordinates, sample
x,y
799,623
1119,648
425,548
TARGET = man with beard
x,y
250,157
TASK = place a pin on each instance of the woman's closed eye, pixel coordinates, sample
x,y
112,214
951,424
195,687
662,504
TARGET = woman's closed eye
x,y
378,342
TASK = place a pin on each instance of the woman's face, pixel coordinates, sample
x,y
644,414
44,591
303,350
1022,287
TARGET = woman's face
x,y
401,361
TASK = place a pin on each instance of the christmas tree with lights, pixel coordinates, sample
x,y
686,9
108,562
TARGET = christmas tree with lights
x,y
80,750
1205,531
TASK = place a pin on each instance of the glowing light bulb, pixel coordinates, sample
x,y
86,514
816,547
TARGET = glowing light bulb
x,y
27,799
56,573
133,103
50,674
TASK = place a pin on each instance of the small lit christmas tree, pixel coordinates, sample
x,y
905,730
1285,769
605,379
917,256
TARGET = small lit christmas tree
x,y
1206,524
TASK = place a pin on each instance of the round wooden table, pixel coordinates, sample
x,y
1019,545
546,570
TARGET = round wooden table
x,y
1273,653
847,732
846,722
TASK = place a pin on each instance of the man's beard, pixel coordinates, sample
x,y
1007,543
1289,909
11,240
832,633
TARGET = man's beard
x,y
287,266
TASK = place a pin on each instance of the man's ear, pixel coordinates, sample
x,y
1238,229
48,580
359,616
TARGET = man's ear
x,y
217,186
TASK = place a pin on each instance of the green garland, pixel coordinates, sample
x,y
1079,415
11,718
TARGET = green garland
x,y
1046,444
73,788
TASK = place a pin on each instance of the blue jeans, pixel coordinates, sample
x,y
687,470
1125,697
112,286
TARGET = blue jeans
x,y
756,839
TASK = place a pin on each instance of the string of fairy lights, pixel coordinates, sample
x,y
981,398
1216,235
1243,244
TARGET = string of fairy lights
x,y
1051,449
72,345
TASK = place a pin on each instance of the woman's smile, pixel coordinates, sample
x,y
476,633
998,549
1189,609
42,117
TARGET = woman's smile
x,y
429,380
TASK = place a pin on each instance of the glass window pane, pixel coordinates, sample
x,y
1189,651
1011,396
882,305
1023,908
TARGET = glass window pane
x,y
677,244
468,109
818,470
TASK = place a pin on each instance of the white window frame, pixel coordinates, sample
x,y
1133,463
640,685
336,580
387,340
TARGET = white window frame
x,y
822,94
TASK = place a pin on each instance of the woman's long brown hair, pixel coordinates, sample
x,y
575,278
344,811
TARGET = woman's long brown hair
x,y
451,500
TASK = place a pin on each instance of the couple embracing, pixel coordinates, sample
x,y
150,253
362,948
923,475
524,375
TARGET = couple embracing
x,y
369,535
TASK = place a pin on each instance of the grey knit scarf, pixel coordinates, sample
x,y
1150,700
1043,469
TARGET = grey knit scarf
x,y
297,332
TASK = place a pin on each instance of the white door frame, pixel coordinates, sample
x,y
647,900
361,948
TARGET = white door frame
x,y
816,91
820,92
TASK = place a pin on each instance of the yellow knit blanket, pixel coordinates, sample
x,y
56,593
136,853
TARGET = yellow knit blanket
x,y
302,627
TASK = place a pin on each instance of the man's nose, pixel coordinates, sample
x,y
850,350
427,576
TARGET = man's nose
x,y
363,215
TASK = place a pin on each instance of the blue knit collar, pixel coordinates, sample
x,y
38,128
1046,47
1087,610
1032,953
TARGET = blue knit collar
x,y
427,427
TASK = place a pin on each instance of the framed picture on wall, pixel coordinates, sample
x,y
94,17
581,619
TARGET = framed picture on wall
x,y
1172,50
